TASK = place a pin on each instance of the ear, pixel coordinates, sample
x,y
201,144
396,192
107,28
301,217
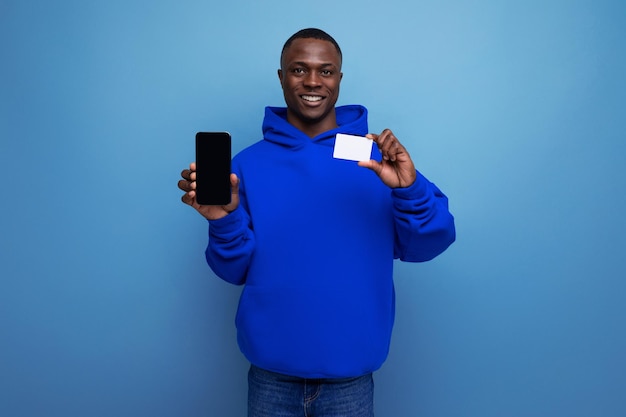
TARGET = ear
x,y
280,77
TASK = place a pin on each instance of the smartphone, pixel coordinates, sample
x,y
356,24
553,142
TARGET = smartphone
x,y
213,155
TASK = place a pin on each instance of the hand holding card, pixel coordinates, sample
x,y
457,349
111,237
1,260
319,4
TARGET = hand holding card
x,y
396,168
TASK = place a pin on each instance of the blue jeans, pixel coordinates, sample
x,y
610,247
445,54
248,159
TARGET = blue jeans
x,y
276,395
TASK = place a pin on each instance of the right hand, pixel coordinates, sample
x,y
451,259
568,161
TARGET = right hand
x,y
188,185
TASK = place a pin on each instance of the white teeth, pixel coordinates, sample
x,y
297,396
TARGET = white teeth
x,y
312,98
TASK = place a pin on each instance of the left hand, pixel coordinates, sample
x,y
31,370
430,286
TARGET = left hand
x,y
396,169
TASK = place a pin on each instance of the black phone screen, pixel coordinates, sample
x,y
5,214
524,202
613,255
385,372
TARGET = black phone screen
x,y
213,154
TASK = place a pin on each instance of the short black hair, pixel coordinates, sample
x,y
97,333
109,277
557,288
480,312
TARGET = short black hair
x,y
310,33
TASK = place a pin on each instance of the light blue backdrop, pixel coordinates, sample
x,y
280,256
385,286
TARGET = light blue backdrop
x,y
515,109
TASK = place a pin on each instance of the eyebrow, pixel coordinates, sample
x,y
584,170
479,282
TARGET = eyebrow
x,y
305,64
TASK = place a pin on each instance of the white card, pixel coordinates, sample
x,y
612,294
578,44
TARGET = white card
x,y
353,148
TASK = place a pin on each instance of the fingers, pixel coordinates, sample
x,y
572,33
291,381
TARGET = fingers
x,y
188,184
190,194
189,174
188,198
388,145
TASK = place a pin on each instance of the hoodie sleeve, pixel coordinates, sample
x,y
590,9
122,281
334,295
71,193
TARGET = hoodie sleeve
x,y
424,225
231,244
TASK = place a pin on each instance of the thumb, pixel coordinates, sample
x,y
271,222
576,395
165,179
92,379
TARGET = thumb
x,y
371,164
234,184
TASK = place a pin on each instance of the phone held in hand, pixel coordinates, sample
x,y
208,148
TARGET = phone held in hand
x,y
213,156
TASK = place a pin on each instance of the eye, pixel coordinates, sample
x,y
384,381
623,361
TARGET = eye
x,y
326,73
298,70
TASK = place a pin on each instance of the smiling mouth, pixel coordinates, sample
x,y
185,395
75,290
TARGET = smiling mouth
x,y
311,99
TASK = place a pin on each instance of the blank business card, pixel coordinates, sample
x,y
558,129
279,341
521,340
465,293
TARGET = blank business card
x,y
352,148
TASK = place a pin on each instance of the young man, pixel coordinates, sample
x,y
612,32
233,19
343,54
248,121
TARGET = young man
x,y
313,239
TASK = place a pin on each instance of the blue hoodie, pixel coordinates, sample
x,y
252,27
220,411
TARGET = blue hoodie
x,y
313,240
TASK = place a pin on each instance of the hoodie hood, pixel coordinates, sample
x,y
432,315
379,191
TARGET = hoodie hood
x,y
352,120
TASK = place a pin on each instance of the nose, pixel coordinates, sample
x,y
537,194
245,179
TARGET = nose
x,y
312,79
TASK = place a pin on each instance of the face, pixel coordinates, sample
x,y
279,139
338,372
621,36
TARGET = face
x,y
310,75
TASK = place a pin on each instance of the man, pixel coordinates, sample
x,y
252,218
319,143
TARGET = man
x,y
313,239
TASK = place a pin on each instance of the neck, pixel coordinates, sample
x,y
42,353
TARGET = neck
x,y
313,128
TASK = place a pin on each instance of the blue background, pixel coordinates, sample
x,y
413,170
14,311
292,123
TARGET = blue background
x,y
515,109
